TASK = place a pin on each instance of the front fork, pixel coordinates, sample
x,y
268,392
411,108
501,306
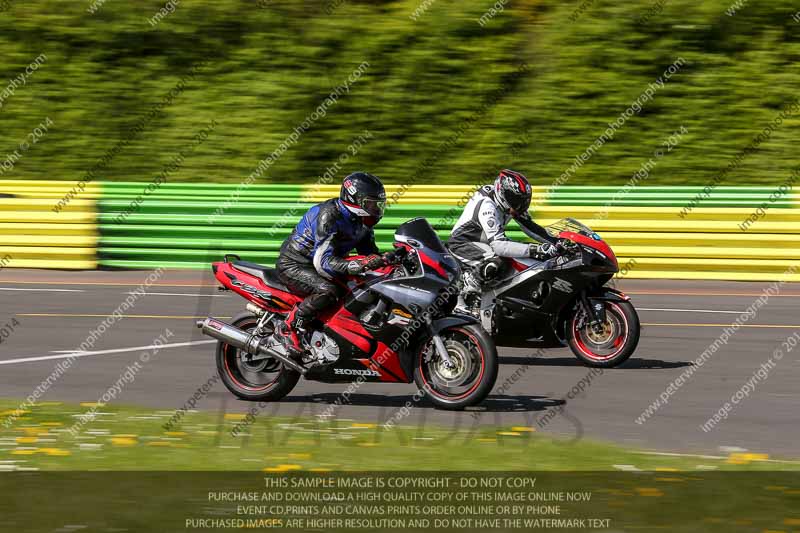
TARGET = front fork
x,y
438,344
594,313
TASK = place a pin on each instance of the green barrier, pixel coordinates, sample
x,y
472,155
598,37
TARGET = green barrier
x,y
191,225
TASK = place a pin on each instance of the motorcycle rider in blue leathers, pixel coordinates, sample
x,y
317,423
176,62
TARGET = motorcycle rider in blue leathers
x,y
313,255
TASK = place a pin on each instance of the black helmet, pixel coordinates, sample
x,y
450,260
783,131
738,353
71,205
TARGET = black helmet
x,y
512,191
363,195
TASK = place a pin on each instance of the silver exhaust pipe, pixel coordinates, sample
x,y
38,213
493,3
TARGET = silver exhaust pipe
x,y
243,340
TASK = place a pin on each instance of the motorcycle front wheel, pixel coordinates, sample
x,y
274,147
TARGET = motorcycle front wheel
x,y
471,377
612,343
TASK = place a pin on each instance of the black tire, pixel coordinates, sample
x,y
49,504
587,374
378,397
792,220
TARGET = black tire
x,y
238,375
617,342
475,355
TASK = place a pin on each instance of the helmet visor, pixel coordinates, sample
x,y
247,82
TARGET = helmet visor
x,y
374,206
520,204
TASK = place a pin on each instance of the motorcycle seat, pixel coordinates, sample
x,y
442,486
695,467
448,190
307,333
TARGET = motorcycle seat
x,y
267,275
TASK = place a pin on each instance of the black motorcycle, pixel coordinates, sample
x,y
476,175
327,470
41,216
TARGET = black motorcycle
x,y
561,301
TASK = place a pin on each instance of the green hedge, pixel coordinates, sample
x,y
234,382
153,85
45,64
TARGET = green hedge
x,y
269,67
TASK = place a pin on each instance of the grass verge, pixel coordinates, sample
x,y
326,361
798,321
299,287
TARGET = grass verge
x,y
131,438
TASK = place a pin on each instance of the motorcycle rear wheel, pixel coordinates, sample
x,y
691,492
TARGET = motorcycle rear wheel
x,y
611,346
475,358
262,380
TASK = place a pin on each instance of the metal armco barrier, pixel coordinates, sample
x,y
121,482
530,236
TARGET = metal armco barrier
x,y
188,225
32,235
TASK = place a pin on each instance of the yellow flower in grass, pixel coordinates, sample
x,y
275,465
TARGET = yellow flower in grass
x,y
123,441
282,468
523,429
24,452
745,458
649,492
57,452
27,440
234,416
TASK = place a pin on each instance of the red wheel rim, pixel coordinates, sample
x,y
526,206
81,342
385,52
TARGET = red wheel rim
x,y
474,386
618,342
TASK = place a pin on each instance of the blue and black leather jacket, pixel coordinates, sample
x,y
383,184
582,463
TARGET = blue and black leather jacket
x,y
325,235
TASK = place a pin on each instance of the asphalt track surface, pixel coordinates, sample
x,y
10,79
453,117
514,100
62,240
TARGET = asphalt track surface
x,y
56,310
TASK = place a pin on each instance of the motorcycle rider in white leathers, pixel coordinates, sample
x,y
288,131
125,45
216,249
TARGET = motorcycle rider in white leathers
x,y
478,239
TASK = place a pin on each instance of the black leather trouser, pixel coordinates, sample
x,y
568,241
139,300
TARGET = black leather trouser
x,y
303,280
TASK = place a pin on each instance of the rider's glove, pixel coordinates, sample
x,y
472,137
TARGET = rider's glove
x,y
374,261
361,265
542,251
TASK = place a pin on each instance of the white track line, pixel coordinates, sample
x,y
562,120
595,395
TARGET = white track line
x,y
40,290
698,456
183,294
688,310
100,352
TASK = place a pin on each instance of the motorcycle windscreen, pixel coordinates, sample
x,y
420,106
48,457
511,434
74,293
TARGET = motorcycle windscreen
x,y
419,230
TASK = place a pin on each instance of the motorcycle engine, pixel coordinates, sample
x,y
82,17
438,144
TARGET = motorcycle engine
x,y
324,350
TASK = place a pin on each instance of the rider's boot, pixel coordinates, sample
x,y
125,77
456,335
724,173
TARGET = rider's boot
x,y
291,332
471,291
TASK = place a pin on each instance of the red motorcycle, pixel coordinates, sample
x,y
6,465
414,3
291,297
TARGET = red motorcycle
x,y
393,326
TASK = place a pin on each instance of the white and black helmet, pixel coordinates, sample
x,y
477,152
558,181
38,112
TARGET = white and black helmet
x,y
512,191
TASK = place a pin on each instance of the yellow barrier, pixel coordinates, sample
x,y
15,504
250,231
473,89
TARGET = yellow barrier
x,y
32,235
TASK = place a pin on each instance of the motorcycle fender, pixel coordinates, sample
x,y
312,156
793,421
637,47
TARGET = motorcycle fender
x,y
609,294
450,321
